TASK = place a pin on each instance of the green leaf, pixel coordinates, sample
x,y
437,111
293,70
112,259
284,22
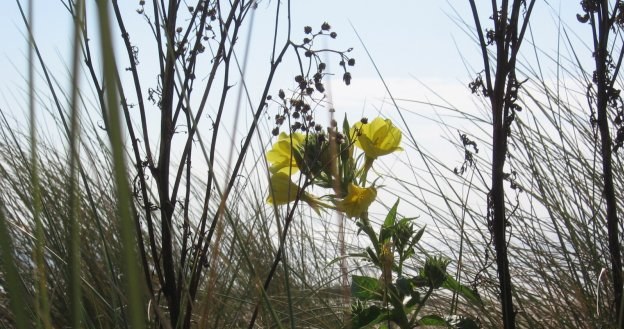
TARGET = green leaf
x,y
354,255
420,281
404,286
366,288
386,228
471,295
346,130
432,320
368,317
372,256
417,236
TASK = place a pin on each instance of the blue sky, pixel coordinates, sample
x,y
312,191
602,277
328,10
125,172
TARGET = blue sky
x,y
407,39
420,47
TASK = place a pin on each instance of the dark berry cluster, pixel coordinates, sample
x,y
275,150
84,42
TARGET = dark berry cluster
x,y
297,110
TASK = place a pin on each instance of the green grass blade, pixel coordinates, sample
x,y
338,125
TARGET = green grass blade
x,y
74,201
42,300
133,283
14,285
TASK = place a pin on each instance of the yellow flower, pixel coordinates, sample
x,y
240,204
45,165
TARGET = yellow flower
x,y
377,138
284,191
357,200
281,156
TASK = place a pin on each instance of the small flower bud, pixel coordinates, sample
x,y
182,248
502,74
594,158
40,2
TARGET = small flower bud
x,y
275,131
307,29
364,120
322,66
281,94
351,61
333,35
325,26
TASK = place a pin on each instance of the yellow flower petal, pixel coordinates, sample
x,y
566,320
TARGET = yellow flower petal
x,y
377,138
281,154
357,200
285,191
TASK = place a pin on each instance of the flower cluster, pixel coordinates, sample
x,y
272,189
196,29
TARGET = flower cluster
x,y
326,159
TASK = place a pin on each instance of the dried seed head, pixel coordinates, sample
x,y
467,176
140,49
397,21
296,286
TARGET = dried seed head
x,y
347,78
319,86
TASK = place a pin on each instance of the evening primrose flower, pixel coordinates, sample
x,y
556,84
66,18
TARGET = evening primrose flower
x,y
357,200
377,138
281,156
284,191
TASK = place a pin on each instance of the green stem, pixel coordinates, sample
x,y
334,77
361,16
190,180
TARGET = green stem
x,y
420,306
368,229
368,164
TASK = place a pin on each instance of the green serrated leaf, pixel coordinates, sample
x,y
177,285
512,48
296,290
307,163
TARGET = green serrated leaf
x,y
366,288
432,320
469,294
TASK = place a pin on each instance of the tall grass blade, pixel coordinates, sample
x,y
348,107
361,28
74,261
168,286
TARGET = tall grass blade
x,y
74,244
42,302
132,283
